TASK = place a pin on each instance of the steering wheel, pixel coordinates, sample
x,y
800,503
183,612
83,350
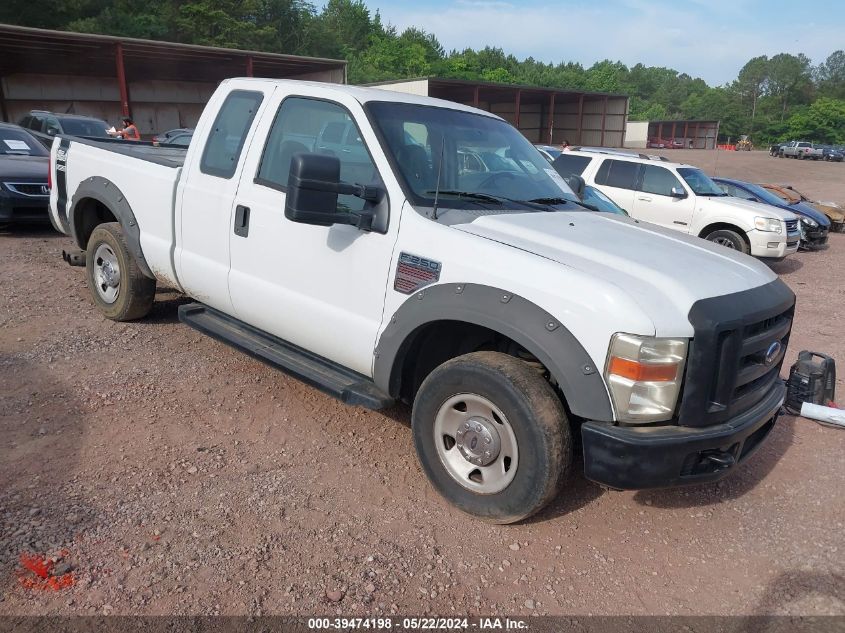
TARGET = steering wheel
x,y
491,180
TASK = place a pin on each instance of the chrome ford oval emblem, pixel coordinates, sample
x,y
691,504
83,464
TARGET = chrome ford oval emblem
x,y
772,353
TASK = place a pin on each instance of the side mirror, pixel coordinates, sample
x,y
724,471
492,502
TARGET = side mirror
x,y
678,192
577,184
313,186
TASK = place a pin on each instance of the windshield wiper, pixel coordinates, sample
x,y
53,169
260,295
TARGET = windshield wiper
x,y
551,200
499,200
472,195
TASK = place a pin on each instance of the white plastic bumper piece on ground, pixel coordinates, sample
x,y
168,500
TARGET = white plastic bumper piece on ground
x,y
828,415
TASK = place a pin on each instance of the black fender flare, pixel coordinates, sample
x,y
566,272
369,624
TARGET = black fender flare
x,y
522,321
106,193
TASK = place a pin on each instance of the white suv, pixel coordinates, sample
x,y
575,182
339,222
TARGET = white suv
x,y
683,197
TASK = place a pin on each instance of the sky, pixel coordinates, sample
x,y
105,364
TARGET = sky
x,y
711,39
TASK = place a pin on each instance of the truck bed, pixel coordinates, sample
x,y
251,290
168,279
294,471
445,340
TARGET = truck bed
x,y
142,180
161,155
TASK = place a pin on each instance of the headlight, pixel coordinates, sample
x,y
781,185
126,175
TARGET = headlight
x,y
769,225
809,222
644,375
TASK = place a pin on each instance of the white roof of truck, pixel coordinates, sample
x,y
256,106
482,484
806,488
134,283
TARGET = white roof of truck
x,y
364,94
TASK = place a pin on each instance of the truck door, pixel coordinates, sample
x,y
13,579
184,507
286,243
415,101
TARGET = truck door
x,y
654,201
321,288
207,192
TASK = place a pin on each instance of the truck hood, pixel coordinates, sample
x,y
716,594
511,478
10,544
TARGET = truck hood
x,y
664,271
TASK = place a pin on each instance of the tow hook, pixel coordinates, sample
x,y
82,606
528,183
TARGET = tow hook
x,y
74,258
722,459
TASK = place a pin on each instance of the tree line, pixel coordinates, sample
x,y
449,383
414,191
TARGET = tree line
x,y
784,96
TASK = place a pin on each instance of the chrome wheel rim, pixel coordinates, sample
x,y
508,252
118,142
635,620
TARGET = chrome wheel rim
x,y
106,273
476,443
723,241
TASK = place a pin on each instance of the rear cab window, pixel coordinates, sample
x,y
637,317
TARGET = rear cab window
x,y
622,174
228,134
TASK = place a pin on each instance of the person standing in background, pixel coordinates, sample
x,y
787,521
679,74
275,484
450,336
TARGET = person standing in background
x,y
129,131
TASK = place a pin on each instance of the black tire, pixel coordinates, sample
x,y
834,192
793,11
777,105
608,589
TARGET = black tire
x,y
532,411
729,239
135,291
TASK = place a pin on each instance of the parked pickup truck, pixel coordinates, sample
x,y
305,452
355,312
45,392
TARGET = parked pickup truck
x,y
801,150
508,315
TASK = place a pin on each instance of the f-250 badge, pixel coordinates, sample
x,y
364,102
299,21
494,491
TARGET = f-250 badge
x,y
413,273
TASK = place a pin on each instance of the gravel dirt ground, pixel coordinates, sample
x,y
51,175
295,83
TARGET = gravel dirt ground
x,y
175,475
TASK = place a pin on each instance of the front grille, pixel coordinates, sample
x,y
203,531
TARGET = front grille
x,y
736,354
38,189
791,226
761,355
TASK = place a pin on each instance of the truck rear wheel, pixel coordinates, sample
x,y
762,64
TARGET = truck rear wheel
x,y
119,288
729,239
492,436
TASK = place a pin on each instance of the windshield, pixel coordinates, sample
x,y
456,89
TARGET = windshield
x,y
476,160
85,127
597,199
19,143
763,194
700,182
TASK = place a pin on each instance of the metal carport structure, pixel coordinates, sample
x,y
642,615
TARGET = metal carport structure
x,y
162,85
543,115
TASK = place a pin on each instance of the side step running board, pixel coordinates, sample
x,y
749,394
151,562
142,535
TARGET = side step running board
x,y
340,382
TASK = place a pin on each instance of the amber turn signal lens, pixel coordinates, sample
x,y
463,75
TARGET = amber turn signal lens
x,y
640,372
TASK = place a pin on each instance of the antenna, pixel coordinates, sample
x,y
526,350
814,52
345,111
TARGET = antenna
x,y
716,161
439,172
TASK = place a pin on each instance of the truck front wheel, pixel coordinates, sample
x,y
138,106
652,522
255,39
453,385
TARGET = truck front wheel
x,y
119,288
492,436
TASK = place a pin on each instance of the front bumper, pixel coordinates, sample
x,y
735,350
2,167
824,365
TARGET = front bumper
x,y
814,239
633,458
19,208
774,245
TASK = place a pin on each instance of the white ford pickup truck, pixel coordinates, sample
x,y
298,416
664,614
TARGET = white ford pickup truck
x,y
386,266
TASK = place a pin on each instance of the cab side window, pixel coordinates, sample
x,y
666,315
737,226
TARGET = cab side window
x,y
303,126
659,180
52,126
228,134
37,123
618,173
567,164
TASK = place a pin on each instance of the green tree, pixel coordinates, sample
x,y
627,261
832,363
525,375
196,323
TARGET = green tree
x,y
822,121
607,76
751,82
830,76
789,79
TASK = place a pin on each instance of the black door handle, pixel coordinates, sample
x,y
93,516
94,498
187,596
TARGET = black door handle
x,y
241,220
